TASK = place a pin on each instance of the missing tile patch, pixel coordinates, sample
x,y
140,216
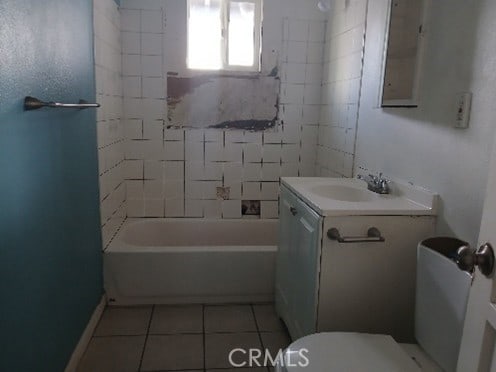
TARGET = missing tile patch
x,y
250,207
231,101
223,193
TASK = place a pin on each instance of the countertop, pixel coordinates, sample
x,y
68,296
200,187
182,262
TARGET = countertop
x,y
404,199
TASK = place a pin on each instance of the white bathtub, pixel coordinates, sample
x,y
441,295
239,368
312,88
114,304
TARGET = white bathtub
x,y
163,261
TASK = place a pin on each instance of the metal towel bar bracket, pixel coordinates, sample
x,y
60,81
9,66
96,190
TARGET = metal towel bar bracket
x,y
31,103
373,236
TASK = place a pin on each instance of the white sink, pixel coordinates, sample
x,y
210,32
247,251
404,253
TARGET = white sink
x,y
350,197
343,193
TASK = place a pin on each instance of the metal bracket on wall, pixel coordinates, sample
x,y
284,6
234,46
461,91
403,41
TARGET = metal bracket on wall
x,y
31,103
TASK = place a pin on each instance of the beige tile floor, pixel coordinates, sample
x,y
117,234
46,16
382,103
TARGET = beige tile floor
x,y
191,338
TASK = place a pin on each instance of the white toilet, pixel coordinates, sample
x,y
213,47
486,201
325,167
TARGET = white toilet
x,y
441,300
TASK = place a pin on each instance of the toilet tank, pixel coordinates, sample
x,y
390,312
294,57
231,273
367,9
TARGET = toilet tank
x,y
441,300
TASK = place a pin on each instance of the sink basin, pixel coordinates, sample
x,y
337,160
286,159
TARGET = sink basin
x,y
343,193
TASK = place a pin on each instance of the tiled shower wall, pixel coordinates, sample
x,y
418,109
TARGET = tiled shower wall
x,y
177,172
343,60
110,132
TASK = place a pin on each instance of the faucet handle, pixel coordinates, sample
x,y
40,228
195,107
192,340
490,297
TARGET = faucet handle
x,y
384,185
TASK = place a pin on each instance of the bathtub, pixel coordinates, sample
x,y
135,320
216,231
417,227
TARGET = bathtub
x,y
173,261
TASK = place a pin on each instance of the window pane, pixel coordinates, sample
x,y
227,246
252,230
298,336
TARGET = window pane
x,y
205,34
241,33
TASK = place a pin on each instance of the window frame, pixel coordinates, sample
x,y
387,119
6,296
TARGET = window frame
x,y
257,43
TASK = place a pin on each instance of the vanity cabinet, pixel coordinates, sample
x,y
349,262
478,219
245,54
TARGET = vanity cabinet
x,y
326,285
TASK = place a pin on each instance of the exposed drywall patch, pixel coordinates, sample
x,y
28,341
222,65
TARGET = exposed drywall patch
x,y
248,102
178,87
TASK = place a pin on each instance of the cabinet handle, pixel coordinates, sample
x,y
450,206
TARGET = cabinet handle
x,y
373,236
293,211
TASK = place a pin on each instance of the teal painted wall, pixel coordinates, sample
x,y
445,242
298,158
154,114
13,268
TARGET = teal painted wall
x,y
50,250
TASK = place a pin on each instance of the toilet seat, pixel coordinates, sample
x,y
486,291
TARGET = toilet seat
x,y
346,352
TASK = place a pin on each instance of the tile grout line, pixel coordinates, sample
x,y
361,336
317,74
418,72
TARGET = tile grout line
x,y
258,332
146,337
204,340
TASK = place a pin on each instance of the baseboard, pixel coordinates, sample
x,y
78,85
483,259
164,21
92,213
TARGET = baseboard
x,y
78,352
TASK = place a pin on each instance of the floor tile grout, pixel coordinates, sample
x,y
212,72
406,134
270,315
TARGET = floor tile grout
x,y
258,331
146,337
204,341
154,312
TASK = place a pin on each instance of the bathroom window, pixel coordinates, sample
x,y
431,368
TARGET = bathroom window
x,y
224,34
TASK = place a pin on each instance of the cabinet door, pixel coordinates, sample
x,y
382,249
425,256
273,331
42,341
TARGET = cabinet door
x,y
297,265
370,287
304,264
287,235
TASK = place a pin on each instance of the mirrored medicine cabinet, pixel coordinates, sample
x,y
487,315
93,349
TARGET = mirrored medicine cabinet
x,y
404,39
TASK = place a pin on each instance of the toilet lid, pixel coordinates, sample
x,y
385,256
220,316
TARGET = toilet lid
x,y
347,352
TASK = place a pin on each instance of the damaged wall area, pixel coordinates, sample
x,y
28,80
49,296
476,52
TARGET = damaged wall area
x,y
200,143
247,102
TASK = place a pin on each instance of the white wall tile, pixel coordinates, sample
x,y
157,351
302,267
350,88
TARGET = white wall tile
x,y
271,172
252,153
134,189
233,172
153,170
130,20
134,169
213,171
271,153
131,43
154,207
133,128
194,151
234,189
151,21
151,44
252,172
270,190
269,209
297,51
135,207
174,189
290,153
131,86
174,135
298,30
131,65
174,207
212,209
231,209
153,189
252,191
174,150
174,170
110,132
194,190
153,129
193,208
151,66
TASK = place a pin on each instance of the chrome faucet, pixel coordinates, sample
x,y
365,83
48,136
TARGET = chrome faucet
x,y
377,184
